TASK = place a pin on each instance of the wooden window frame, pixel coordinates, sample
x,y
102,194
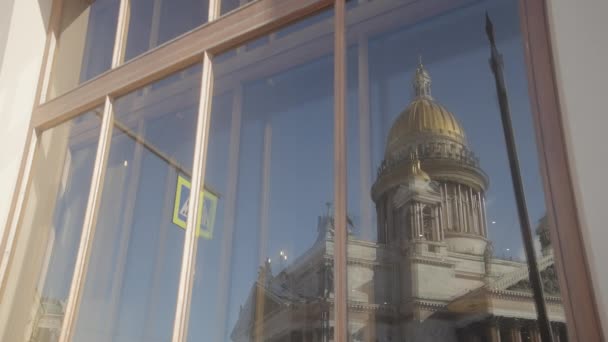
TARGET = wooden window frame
x,y
578,298
245,24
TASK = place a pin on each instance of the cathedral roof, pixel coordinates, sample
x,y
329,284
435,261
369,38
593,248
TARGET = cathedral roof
x,y
423,119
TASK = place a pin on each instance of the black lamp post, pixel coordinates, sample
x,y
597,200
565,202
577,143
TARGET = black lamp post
x,y
518,187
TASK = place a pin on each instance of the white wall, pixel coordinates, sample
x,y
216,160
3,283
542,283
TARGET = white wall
x,y
580,46
6,12
22,40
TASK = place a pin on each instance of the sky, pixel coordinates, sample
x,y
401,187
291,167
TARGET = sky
x,y
291,111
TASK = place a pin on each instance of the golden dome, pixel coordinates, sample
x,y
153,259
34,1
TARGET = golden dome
x,y
423,117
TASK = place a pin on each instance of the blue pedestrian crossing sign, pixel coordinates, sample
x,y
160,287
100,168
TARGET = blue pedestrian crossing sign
x,y
206,212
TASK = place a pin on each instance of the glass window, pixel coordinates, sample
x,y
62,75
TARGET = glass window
x,y
436,251
264,267
153,22
229,5
49,236
133,273
85,43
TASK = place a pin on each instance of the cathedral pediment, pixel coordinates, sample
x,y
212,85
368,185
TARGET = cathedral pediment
x,y
549,279
519,276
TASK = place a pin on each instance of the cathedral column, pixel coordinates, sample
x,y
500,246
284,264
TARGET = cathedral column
x,y
556,333
515,333
484,216
463,207
442,226
447,206
465,201
482,226
422,229
457,216
535,333
437,223
412,222
422,207
447,210
418,221
473,211
463,227
468,217
493,332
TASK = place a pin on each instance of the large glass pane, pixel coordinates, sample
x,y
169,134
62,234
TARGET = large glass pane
x,y
131,285
85,43
436,252
153,22
41,274
264,264
229,5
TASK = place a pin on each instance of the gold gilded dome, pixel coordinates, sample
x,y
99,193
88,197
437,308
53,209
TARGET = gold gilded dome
x,y
423,118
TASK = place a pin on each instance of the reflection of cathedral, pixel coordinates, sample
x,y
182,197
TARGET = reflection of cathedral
x,y
431,276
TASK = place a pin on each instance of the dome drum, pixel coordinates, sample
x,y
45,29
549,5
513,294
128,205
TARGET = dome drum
x,y
433,148
466,243
440,170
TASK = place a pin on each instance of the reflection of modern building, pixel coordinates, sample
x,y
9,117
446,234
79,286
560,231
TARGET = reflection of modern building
x,y
431,276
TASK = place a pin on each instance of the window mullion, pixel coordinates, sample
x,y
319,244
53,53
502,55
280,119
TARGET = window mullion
x,y
182,312
340,286
90,220
120,42
214,9
184,294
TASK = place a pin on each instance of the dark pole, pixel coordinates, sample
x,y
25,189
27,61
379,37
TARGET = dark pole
x,y
518,187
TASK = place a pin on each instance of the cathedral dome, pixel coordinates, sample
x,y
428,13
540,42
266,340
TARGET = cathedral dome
x,y
424,119
443,204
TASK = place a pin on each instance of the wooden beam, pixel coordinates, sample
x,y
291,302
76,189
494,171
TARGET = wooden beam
x,y
251,21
